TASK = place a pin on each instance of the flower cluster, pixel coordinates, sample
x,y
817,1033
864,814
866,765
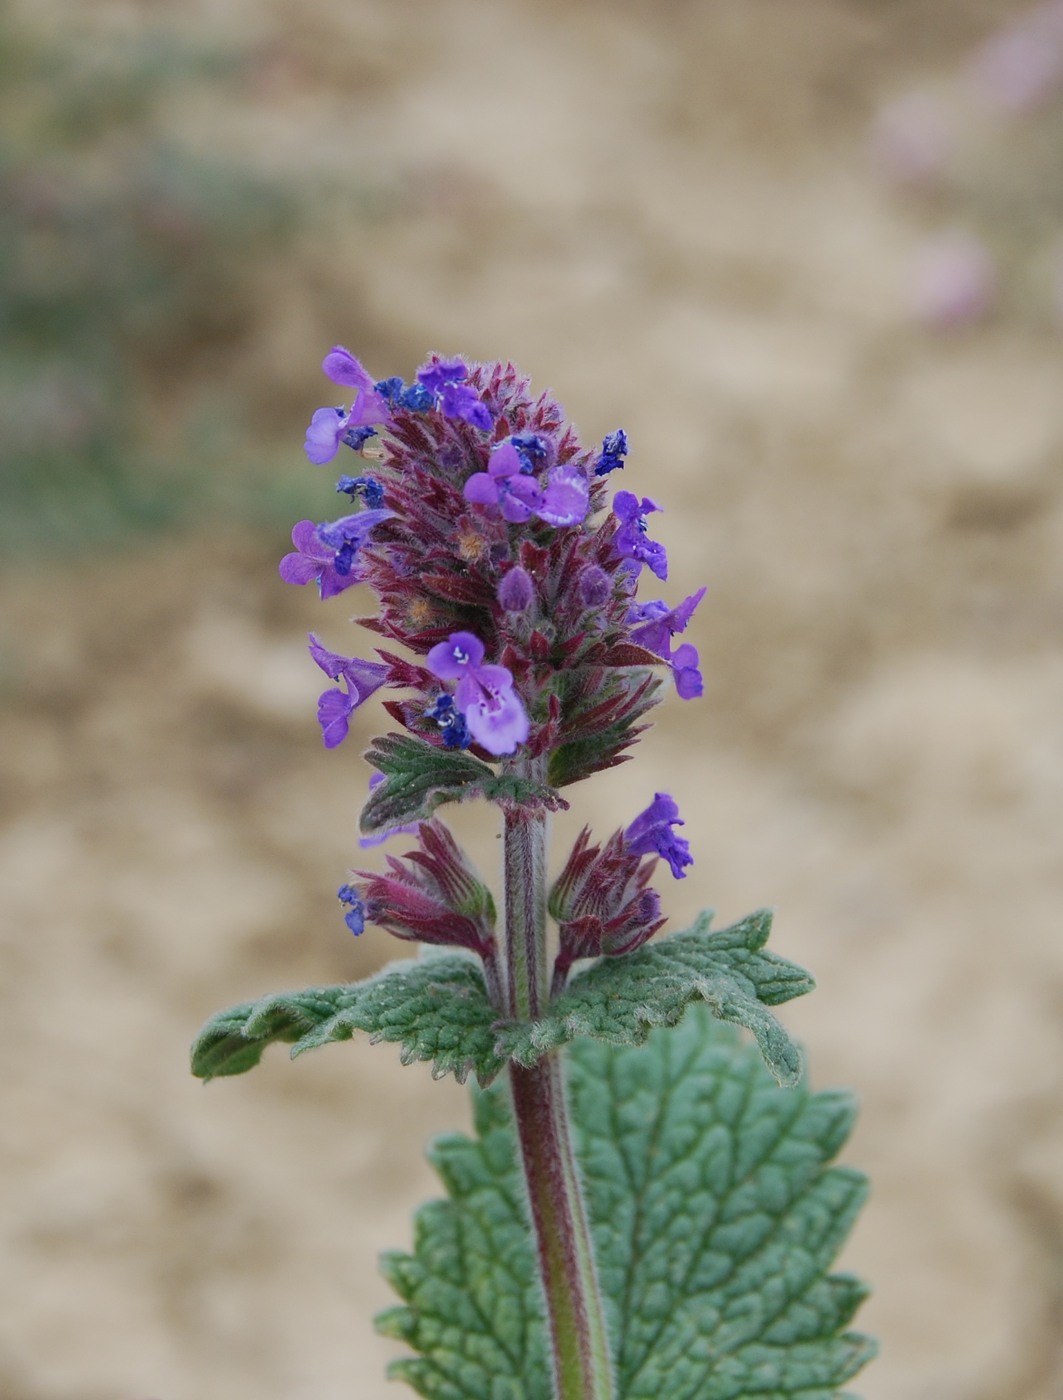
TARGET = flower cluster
x,y
508,578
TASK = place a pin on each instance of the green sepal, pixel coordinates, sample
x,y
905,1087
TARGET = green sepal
x,y
435,1006
622,999
438,1009
716,1217
419,777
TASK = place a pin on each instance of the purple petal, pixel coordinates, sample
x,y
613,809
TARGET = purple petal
x,y
482,490
685,611
518,497
324,435
626,506
365,677
688,680
456,657
299,568
330,662
496,718
332,583
461,401
333,713
651,834
566,498
505,460
304,537
342,368
436,374
653,554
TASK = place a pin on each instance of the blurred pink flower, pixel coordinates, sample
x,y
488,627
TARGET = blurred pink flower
x,y
1021,65
911,138
954,280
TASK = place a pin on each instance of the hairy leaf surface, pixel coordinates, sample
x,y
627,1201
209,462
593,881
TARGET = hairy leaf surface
x,y
419,777
437,1008
716,1218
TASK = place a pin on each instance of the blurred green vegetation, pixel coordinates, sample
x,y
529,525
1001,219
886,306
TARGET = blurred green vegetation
x,y
130,270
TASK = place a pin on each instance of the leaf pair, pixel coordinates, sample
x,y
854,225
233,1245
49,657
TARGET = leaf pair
x,y
436,1006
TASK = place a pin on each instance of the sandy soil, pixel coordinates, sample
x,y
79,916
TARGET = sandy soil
x,y
665,213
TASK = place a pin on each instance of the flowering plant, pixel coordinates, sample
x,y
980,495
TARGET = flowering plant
x,y
646,1211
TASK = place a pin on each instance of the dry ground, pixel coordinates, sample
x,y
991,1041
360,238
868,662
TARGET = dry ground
x,y
664,212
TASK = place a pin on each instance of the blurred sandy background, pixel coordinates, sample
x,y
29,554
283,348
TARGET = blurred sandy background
x,y
668,213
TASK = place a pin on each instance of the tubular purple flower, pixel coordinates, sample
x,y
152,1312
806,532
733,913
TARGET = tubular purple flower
x,y
334,707
611,457
355,915
630,541
651,834
509,488
314,562
656,624
492,709
330,426
504,487
445,381
325,552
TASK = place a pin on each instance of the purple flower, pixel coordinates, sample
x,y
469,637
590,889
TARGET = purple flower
x,y
504,486
614,450
324,435
355,915
631,541
335,707
656,624
508,487
651,834
451,721
325,553
445,380
492,709
331,426
367,487
436,373
314,562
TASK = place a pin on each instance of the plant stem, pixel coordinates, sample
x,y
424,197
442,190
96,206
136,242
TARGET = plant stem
x,y
581,1353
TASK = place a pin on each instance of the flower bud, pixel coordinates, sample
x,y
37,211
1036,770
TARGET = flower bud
x,y
595,586
601,902
431,895
516,591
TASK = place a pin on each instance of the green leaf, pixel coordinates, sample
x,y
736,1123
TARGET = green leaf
x,y
419,777
435,1006
716,1218
621,999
